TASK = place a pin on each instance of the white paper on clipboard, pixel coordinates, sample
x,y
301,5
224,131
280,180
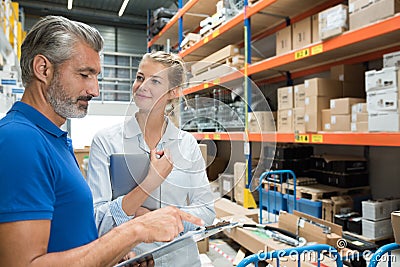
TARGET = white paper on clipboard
x,y
176,244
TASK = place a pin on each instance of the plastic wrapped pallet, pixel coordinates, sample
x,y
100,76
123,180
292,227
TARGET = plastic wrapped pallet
x,y
333,21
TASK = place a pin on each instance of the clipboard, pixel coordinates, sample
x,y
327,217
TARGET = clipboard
x,y
180,242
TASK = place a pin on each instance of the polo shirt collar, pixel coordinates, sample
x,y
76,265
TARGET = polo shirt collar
x,y
37,118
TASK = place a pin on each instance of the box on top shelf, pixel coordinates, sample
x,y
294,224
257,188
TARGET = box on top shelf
x,y
284,41
382,79
357,5
343,105
348,73
375,11
323,87
391,60
333,21
301,33
315,29
383,122
285,97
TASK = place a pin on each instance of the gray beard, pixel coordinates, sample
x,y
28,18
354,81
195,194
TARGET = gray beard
x,y
63,105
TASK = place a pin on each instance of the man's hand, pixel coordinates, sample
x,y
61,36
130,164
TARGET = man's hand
x,y
164,224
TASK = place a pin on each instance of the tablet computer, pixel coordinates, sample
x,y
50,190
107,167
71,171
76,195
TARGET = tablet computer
x,y
127,171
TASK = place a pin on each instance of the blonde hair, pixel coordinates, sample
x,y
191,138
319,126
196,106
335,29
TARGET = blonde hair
x,y
175,64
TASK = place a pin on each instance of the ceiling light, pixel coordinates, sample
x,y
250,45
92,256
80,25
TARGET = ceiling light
x,y
124,4
70,4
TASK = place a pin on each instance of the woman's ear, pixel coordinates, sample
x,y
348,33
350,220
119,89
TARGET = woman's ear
x,y
42,69
173,93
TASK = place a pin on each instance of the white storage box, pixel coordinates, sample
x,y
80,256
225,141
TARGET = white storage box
x,y
375,210
391,60
384,122
377,229
382,79
382,100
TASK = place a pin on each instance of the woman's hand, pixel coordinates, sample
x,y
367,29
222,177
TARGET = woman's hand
x,y
160,167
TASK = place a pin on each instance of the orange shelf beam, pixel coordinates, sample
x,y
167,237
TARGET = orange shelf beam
x,y
347,38
218,81
363,58
345,138
173,20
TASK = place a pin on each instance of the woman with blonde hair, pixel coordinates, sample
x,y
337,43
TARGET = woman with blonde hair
x,y
177,169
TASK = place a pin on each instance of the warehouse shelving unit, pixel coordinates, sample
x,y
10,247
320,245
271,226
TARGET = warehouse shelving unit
x,y
267,17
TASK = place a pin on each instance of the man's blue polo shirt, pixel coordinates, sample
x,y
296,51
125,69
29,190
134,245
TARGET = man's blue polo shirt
x,y
40,179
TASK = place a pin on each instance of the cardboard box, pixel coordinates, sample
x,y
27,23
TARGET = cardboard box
x,y
314,104
341,106
354,89
203,245
326,119
299,95
359,108
216,57
311,232
323,87
285,97
376,11
285,121
333,21
225,207
383,100
301,33
391,60
377,229
359,117
299,124
239,173
359,126
315,29
348,73
216,166
383,122
340,123
395,217
284,40
385,78
262,121
357,5
336,205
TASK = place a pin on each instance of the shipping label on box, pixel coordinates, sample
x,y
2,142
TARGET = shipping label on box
x,y
284,40
299,96
285,97
382,79
301,33
341,106
323,87
383,100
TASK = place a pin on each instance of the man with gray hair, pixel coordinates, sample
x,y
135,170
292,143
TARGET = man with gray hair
x,y
46,207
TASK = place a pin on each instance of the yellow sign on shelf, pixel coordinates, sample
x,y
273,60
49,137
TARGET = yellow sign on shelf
x,y
205,40
302,138
302,53
317,138
205,85
217,81
217,137
206,136
317,49
215,34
